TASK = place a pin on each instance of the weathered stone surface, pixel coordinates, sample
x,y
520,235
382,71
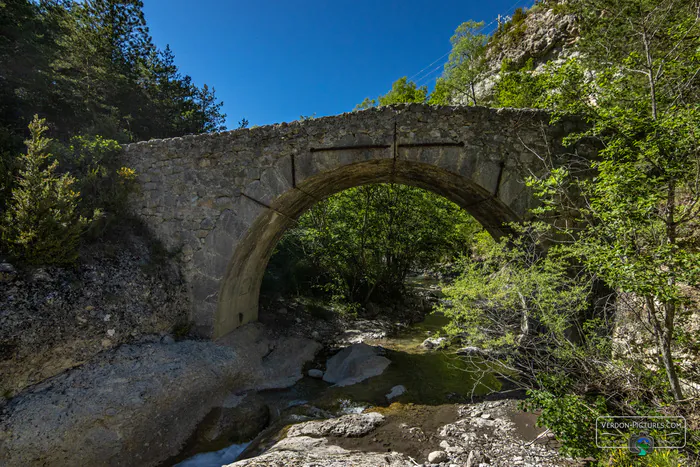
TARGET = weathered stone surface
x,y
56,318
305,451
347,426
224,200
434,343
138,404
437,457
353,364
239,423
306,445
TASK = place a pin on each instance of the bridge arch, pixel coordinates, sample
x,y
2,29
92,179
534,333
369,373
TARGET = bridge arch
x,y
224,200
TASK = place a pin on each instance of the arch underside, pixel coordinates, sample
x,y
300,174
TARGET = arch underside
x,y
239,290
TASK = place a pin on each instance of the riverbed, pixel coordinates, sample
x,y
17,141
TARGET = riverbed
x,y
433,382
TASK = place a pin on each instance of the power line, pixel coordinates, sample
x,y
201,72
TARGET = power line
x,y
422,77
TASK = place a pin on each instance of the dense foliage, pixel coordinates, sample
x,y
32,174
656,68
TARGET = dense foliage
x,y
638,227
91,71
360,244
91,67
629,218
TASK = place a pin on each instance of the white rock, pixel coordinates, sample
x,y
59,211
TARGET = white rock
x,y
396,391
353,364
436,457
433,343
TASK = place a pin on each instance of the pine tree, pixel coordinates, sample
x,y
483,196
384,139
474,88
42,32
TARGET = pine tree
x,y
42,224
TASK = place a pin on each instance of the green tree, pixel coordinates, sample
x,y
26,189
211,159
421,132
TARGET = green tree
x,y
637,86
519,88
467,64
510,292
402,92
42,224
441,94
365,240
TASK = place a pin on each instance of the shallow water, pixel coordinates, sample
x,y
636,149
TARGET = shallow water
x,y
431,378
225,456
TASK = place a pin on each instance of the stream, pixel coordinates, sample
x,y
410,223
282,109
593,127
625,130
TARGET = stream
x,y
431,378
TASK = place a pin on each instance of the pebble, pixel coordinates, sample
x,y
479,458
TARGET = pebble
x,y
315,373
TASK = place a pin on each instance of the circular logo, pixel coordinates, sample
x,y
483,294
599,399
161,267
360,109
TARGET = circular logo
x,y
641,444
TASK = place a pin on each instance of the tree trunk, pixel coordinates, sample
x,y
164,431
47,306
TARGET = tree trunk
x,y
664,337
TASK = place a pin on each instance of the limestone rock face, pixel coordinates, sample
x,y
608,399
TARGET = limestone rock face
x,y
543,36
239,423
56,318
353,364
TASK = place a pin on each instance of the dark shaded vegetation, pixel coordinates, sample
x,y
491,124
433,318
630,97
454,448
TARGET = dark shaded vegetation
x,y
87,77
358,246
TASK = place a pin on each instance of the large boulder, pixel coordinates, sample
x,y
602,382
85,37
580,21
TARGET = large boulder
x,y
355,363
139,404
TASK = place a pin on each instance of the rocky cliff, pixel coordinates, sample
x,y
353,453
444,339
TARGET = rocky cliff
x,y
540,33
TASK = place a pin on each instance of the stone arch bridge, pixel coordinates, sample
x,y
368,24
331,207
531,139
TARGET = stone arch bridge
x,y
224,200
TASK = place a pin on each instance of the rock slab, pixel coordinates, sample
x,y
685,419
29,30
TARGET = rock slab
x,y
306,445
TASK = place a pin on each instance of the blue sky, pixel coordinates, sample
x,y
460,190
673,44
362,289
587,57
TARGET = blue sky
x,y
272,61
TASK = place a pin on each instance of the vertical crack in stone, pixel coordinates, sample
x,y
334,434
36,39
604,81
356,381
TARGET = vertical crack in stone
x,y
294,175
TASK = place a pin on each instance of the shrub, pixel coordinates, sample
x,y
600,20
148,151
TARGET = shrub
x,y
102,181
570,417
42,224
